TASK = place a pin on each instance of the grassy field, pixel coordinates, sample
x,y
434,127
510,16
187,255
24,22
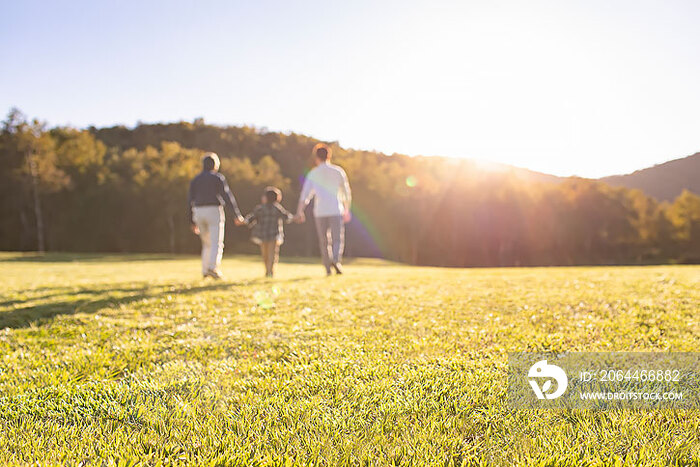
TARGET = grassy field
x,y
136,360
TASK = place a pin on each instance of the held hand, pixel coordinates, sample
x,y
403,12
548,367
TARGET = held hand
x,y
239,220
300,218
347,216
194,228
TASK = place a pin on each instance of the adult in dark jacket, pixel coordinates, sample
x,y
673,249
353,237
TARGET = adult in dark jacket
x,y
209,193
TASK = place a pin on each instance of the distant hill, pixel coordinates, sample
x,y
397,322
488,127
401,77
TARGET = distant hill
x,y
519,172
664,181
532,176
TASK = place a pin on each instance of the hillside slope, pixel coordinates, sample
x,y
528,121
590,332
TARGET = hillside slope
x,y
664,181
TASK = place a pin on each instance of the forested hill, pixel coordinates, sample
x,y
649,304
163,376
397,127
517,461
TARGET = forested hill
x,y
664,181
125,189
291,151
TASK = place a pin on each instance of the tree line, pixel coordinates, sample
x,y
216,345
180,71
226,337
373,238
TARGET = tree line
x,y
124,189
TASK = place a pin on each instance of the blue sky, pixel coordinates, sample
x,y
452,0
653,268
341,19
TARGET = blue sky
x,y
567,87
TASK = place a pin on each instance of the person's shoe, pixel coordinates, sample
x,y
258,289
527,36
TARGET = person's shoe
x,y
328,272
338,268
214,274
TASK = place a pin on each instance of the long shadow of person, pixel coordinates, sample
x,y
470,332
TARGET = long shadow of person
x,y
37,309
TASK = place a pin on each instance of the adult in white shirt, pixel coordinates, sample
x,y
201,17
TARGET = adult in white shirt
x,y
328,184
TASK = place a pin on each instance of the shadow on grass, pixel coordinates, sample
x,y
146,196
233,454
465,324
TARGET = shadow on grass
x,y
60,292
84,257
30,257
94,299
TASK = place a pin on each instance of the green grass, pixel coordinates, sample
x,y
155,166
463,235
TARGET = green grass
x,y
130,360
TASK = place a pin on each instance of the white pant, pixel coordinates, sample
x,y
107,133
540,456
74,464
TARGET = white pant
x,y
210,220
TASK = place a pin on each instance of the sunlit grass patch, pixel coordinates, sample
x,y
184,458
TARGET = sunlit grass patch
x,y
138,359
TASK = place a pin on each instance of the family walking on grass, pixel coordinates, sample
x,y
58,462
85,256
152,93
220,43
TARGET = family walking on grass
x,y
326,183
